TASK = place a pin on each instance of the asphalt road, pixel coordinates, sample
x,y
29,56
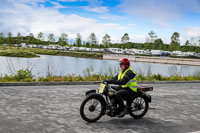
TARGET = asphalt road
x,y
55,109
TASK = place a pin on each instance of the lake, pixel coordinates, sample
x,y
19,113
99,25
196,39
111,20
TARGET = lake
x,y
64,65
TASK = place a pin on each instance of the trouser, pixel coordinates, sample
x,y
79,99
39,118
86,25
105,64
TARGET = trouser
x,y
123,94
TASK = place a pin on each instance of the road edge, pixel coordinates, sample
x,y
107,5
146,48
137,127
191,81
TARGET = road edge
x,y
84,83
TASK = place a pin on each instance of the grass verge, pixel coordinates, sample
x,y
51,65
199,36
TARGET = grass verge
x,y
32,52
19,53
26,76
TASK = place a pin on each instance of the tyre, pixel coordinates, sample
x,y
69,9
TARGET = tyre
x,y
138,106
92,108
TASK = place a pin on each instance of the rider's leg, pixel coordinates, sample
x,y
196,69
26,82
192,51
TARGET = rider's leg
x,y
121,95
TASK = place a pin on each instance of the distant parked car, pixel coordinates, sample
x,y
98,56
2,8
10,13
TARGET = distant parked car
x,y
156,52
52,46
16,45
66,48
44,47
115,50
198,55
177,53
23,44
165,53
189,53
5,44
74,48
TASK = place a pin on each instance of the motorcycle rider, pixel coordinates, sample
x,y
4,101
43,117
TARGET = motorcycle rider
x,y
126,79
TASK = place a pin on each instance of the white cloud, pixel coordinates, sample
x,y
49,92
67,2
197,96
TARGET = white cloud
x,y
160,11
154,9
30,2
192,31
25,19
110,17
57,5
192,34
99,9
138,38
68,0
131,25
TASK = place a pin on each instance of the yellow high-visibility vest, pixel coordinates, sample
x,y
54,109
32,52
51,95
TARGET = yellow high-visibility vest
x,y
132,83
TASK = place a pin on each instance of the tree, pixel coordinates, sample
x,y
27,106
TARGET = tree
x,y
125,38
30,38
92,39
41,36
63,39
78,40
10,41
199,41
175,42
2,37
129,45
19,38
175,37
158,44
187,43
51,37
192,41
147,45
106,40
151,37
186,46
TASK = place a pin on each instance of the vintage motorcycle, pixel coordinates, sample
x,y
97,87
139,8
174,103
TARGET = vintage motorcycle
x,y
101,102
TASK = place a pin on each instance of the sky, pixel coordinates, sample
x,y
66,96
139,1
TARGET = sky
x,y
114,17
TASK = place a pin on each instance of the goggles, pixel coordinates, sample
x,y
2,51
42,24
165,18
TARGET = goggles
x,y
121,63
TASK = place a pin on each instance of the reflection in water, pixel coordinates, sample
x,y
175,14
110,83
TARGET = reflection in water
x,y
63,65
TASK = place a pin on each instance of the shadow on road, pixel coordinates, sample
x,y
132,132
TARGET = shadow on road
x,y
140,125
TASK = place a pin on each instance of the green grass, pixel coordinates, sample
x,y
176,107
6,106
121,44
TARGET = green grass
x,y
19,53
26,76
82,54
41,51
32,52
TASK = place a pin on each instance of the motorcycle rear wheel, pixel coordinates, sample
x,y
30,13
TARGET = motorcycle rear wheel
x,y
92,109
138,107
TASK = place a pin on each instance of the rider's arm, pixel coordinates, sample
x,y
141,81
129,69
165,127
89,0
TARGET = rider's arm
x,y
111,80
129,75
116,77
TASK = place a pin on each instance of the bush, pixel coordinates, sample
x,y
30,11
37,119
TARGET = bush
x,y
7,78
141,77
157,77
24,75
175,78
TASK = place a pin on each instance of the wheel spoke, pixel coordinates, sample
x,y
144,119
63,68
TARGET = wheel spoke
x,y
137,106
95,111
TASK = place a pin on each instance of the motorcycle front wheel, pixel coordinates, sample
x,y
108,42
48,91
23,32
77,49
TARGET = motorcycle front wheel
x,y
92,109
138,107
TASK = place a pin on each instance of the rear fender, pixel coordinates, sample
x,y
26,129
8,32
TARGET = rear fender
x,y
147,97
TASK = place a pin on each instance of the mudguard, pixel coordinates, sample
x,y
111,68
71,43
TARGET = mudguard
x,y
91,95
89,92
148,97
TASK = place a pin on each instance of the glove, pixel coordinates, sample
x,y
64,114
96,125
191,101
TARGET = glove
x,y
105,80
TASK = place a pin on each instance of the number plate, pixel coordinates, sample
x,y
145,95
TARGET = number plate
x,y
101,88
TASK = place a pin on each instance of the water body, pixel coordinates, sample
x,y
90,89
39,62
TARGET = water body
x,y
64,65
